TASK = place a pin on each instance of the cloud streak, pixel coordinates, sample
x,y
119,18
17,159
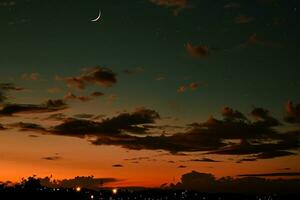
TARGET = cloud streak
x,y
100,76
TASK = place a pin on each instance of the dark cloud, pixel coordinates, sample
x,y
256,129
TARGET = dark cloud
x,y
96,94
2,127
48,106
188,142
246,160
176,5
181,166
230,114
33,136
57,117
235,134
273,174
6,87
204,160
117,165
51,158
138,158
274,154
292,113
71,96
101,76
262,150
285,169
124,122
22,126
199,51
88,182
204,182
10,87
84,116
257,138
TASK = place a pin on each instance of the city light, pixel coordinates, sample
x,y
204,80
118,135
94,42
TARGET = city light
x,y
78,189
115,191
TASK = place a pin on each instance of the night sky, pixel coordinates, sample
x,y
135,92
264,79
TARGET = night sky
x,y
152,90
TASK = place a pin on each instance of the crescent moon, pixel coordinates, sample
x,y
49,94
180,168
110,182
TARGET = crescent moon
x,y
98,18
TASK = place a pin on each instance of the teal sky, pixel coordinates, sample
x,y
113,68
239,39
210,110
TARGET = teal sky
x,y
57,38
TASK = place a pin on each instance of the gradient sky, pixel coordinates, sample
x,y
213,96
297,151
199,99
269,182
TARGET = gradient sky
x,y
219,72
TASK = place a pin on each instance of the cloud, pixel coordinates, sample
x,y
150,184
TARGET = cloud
x,y
92,96
272,174
10,87
256,138
31,77
292,113
100,76
22,126
199,51
51,158
138,158
181,166
205,182
88,182
263,150
71,96
57,117
246,160
192,86
84,116
230,114
176,5
187,142
124,122
97,94
117,165
204,160
48,106
2,127
7,87
243,19
255,40
234,134
264,118
285,169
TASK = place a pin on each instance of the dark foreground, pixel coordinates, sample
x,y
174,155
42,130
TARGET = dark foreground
x,y
72,194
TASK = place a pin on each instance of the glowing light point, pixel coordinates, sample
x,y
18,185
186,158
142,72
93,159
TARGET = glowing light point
x,y
115,191
78,189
